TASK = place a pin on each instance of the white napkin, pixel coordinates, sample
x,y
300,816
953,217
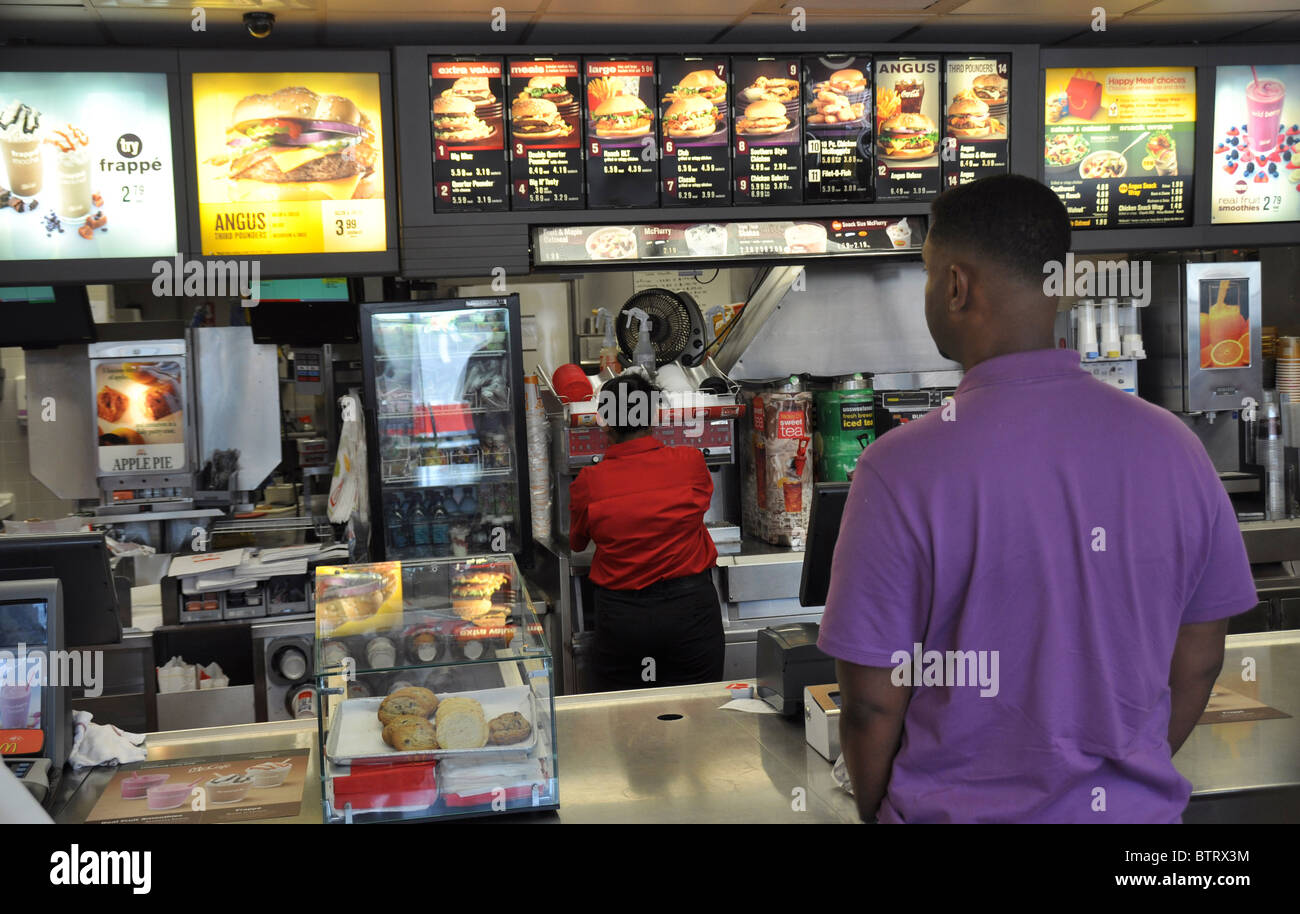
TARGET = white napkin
x,y
749,705
100,744
840,772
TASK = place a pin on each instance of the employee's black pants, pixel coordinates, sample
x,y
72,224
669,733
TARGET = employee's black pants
x,y
669,633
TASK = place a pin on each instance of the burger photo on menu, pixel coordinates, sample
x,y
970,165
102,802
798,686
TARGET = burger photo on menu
x,y
295,144
455,120
693,116
547,88
990,89
699,84
907,135
535,118
763,118
772,88
622,116
474,88
969,118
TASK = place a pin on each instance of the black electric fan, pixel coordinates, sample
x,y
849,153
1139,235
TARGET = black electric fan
x,y
676,327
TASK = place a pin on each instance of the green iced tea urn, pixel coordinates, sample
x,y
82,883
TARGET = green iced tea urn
x,y
845,426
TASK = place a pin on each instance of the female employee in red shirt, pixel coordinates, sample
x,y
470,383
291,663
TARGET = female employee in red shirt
x,y
643,505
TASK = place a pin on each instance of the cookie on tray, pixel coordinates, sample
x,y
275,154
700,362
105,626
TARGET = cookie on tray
x,y
409,732
426,698
460,724
402,706
508,729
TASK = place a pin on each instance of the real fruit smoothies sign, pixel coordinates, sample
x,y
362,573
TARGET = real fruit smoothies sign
x,y
1256,145
289,163
85,166
1118,145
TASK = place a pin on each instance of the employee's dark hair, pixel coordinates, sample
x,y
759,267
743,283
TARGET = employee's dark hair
x,y
627,404
1009,220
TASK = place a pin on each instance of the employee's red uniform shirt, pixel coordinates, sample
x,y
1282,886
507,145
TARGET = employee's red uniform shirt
x,y
643,506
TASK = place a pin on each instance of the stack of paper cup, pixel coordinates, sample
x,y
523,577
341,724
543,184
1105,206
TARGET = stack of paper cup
x,y
1288,366
1087,336
1110,345
539,459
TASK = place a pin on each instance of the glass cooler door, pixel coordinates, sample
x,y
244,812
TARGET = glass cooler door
x,y
447,442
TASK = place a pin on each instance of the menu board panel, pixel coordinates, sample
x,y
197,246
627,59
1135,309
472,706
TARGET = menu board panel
x,y
87,166
695,166
1119,145
908,93
1256,145
837,157
766,103
289,163
469,135
140,416
622,158
756,239
977,119
545,134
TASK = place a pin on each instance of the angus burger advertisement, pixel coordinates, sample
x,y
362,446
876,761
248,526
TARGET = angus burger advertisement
x,y
907,131
695,168
469,136
622,161
976,116
289,163
766,100
545,114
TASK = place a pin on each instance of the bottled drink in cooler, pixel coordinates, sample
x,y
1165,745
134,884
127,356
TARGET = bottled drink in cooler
x,y
441,528
420,533
395,522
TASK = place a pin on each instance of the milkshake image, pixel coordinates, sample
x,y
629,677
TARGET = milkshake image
x,y
20,146
1264,100
900,234
73,168
15,702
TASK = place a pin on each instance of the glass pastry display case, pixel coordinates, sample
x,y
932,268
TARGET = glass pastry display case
x,y
434,690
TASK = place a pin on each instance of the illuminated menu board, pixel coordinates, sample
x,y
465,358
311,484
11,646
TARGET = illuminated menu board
x,y
545,134
622,162
766,121
469,135
289,163
1256,174
908,96
87,166
140,415
837,154
1119,143
977,118
695,166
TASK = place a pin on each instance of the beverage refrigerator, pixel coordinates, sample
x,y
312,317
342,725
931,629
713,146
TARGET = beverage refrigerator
x,y
447,457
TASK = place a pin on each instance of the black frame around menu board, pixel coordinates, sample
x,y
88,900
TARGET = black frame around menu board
x,y
104,60
315,61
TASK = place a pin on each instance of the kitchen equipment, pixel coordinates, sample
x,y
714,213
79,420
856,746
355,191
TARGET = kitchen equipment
x,y
788,662
821,719
776,475
845,426
572,383
677,329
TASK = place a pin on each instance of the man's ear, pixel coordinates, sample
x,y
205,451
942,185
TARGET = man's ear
x,y
959,277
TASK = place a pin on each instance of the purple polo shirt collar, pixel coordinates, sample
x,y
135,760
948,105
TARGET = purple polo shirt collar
x,y
1032,364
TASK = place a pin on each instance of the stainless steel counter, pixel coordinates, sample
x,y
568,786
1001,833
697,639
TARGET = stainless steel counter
x,y
620,761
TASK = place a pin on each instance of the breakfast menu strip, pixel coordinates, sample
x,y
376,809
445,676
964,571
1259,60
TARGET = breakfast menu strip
x,y
622,159
578,244
546,164
1256,175
766,116
977,119
470,172
838,161
86,166
289,163
1119,143
907,135
695,164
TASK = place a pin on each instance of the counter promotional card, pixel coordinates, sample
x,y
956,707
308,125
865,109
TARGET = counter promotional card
x,y
87,166
1256,145
766,100
837,153
622,158
908,96
469,135
1119,144
545,134
140,416
976,123
695,167
289,163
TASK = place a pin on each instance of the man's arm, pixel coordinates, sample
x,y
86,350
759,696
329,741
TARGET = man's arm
x,y
1198,658
579,534
871,729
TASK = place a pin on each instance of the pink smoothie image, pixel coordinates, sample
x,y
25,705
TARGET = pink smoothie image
x,y
168,796
137,786
1264,100
15,703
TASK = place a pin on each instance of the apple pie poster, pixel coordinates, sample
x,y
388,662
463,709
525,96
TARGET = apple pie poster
x,y
140,416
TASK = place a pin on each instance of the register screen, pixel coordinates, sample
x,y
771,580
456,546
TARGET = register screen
x,y
24,636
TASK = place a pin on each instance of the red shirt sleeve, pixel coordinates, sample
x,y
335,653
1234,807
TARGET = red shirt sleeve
x,y
579,525
702,481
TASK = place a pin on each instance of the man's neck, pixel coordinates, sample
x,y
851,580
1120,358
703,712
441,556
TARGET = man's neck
x,y
995,348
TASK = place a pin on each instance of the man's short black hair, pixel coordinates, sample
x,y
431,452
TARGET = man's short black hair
x,y
1010,220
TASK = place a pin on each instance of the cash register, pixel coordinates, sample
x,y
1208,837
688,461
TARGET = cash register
x,y
35,705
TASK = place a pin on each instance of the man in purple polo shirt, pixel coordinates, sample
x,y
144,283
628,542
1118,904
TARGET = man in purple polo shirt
x,y
1030,589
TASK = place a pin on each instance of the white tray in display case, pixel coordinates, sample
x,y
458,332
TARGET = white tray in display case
x,y
357,734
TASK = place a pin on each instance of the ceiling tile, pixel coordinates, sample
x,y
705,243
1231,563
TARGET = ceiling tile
x,y
1172,29
829,31
992,30
1057,10
423,10
659,9
472,30
1285,29
1219,8
595,30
